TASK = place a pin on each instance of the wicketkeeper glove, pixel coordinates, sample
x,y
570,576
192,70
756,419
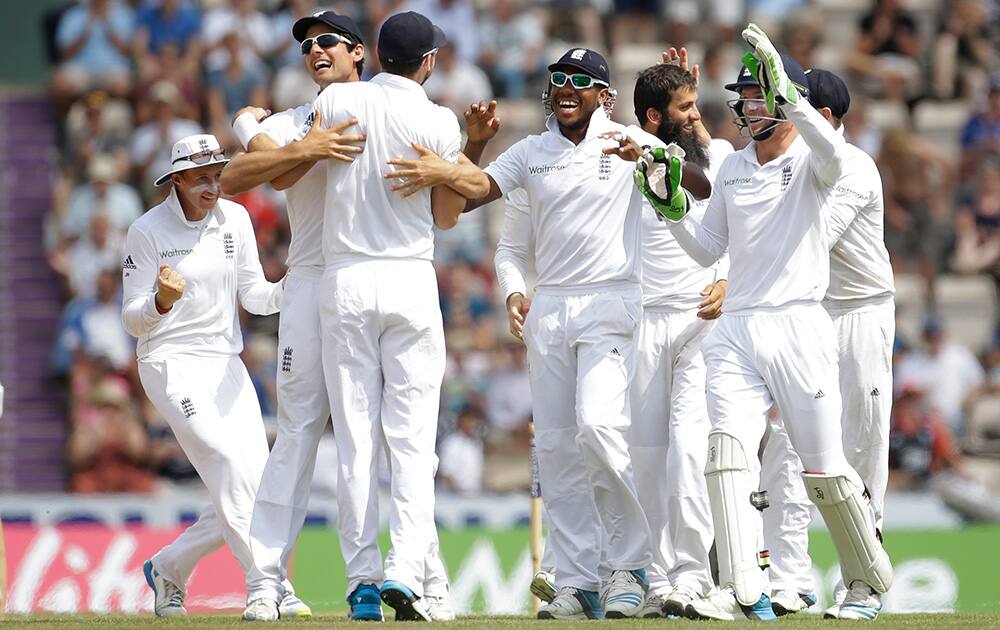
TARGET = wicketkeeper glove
x,y
765,65
658,176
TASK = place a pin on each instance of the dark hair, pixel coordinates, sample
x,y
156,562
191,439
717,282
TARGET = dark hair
x,y
359,65
405,69
655,87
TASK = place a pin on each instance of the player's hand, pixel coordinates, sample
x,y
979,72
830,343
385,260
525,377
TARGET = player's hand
x,y
482,122
627,149
680,58
259,113
426,171
765,64
658,176
169,288
715,295
331,144
517,309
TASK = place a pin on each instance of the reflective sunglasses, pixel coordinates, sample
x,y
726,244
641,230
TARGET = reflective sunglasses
x,y
202,157
326,40
579,81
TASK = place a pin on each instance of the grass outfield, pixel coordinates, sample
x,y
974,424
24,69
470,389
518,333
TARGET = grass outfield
x,y
338,622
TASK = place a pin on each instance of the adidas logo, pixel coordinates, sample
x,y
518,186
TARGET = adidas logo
x,y
129,264
286,360
187,407
819,395
875,392
614,352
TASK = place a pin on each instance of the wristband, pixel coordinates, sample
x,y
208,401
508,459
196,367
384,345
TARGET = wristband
x,y
246,128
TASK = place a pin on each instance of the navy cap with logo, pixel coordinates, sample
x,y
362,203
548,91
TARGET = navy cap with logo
x,y
793,70
407,37
339,23
591,62
828,90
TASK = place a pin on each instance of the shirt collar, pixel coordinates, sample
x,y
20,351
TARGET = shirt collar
x,y
797,147
399,83
175,208
599,123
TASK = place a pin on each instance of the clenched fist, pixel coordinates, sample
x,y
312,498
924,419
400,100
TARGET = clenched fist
x,y
517,308
169,288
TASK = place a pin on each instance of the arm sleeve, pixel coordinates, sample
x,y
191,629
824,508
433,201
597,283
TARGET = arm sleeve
x,y
509,167
139,272
451,139
722,268
279,127
826,156
513,250
257,295
705,241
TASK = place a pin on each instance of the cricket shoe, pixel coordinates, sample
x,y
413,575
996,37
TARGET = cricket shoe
x,y
724,606
291,607
653,606
626,593
543,586
365,603
404,601
572,603
262,609
168,598
861,602
439,607
676,602
788,602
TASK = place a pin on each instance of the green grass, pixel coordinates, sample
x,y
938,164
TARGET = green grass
x,y
338,622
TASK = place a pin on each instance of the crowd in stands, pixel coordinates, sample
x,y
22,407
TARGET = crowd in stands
x,y
129,78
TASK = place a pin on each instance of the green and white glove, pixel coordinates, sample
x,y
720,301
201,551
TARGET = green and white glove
x,y
765,64
658,176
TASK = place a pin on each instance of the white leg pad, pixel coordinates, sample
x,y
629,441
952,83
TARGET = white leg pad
x,y
849,519
736,520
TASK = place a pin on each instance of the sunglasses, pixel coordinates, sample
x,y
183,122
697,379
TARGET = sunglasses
x,y
326,40
202,157
579,81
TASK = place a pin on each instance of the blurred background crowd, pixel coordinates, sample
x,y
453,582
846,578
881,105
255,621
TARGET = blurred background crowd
x,y
129,78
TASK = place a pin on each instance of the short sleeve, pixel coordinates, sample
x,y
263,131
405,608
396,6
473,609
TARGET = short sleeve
x,y
280,127
451,136
509,167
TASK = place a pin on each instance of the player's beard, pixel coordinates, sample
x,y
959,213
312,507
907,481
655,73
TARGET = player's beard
x,y
670,131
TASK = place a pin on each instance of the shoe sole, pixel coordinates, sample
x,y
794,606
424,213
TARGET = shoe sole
x,y
542,590
674,607
781,611
366,612
403,605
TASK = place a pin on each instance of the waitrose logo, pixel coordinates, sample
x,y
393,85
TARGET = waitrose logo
x,y
170,253
548,168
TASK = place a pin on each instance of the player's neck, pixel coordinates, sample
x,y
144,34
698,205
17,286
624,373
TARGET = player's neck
x,y
775,146
575,135
192,212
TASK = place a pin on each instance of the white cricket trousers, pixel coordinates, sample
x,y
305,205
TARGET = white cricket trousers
x,y
303,409
384,360
212,409
669,444
787,357
581,358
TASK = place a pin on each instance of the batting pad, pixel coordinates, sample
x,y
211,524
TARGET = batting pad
x,y
850,523
736,520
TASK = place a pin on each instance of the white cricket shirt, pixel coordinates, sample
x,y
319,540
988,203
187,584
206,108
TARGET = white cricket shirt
x,y
218,259
670,278
306,198
583,206
362,216
770,218
859,261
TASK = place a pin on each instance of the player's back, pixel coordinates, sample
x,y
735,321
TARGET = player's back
x,y
363,215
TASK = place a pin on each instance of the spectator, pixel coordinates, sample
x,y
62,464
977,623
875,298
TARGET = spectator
x,y
512,41
242,82
457,18
963,52
90,329
460,467
93,40
859,131
920,443
456,83
948,372
102,194
88,257
802,33
168,66
508,390
95,127
149,154
174,23
887,53
286,49
241,17
977,225
722,16
981,135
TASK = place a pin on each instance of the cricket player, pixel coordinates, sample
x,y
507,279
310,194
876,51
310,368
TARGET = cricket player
x,y
303,404
583,227
382,336
669,434
776,344
860,299
188,260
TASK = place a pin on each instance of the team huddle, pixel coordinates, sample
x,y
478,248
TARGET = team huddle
x,y
692,306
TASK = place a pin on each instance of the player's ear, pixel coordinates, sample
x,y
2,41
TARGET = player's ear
x,y
358,53
654,116
603,95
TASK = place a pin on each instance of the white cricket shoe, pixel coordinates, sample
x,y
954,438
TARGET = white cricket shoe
x,y
168,598
262,609
572,603
724,606
788,602
626,592
543,586
861,602
653,606
677,601
833,612
291,607
439,607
